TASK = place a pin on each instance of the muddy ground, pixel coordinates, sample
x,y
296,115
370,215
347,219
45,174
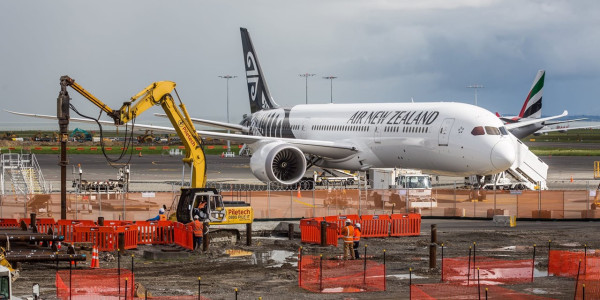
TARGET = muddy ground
x,y
270,270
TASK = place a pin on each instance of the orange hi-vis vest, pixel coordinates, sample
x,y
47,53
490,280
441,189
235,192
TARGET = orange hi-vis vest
x,y
348,234
356,234
162,217
197,226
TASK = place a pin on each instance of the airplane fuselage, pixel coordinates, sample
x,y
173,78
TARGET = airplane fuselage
x,y
437,137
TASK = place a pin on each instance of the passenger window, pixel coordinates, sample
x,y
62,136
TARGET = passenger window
x,y
492,130
478,131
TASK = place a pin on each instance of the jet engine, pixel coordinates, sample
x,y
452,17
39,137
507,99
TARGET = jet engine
x,y
279,162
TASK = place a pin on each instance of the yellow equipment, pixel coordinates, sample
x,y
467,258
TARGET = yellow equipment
x,y
158,93
597,170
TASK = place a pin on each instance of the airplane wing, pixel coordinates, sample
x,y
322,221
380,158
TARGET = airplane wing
x,y
327,149
563,130
217,124
564,121
524,123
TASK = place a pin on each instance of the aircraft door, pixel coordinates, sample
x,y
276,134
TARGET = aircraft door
x,y
444,135
377,135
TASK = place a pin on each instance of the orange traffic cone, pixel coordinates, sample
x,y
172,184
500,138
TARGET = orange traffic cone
x,y
58,245
95,263
571,178
140,154
299,194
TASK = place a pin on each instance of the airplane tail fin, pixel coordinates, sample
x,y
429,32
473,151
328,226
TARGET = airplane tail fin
x,y
532,108
258,92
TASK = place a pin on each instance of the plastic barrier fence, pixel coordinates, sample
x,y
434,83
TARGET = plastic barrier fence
x,y
66,228
375,226
42,224
491,271
106,237
183,235
405,225
454,291
566,263
94,284
341,220
310,232
339,276
155,232
9,223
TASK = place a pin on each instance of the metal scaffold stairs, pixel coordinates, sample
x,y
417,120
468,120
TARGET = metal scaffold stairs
x,y
528,168
362,189
22,175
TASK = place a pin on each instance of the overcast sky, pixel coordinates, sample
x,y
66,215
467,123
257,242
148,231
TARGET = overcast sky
x,y
382,51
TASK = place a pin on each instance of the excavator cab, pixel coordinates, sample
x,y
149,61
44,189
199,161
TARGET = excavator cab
x,y
191,199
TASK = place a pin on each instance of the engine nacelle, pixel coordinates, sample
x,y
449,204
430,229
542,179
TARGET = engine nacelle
x,y
279,162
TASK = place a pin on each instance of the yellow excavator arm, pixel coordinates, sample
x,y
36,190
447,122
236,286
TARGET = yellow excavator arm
x,y
157,93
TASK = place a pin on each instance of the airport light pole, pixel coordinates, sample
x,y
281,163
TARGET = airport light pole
x,y
306,75
476,87
331,78
227,77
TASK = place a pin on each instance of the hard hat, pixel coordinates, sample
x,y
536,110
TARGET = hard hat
x,y
357,225
161,211
348,221
196,217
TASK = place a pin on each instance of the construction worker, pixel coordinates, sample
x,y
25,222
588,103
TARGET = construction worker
x,y
357,231
198,228
348,236
161,216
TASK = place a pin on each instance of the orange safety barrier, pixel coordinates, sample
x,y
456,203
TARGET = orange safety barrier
x,y
375,225
405,225
42,224
310,232
9,223
183,235
106,237
115,223
66,228
455,291
131,235
340,276
341,220
592,285
155,232
491,270
95,284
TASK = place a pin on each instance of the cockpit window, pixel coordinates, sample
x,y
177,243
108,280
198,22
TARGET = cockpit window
x,y
478,131
503,130
492,130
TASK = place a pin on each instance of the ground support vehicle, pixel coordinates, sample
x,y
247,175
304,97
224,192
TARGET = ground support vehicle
x,y
402,188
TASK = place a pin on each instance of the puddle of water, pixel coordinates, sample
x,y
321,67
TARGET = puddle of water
x,y
406,276
237,252
342,290
540,273
537,291
509,248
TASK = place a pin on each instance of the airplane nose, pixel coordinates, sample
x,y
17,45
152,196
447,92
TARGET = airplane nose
x,y
503,154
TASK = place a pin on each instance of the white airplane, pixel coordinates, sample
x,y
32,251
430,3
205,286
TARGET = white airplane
x,y
530,121
444,138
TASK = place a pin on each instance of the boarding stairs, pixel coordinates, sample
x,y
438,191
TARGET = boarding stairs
x,y
22,175
362,190
528,168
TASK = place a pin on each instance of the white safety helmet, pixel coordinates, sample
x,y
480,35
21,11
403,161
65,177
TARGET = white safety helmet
x,y
161,211
196,217
357,225
348,221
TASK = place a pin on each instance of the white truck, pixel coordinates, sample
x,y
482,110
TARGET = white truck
x,y
401,188
6,284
